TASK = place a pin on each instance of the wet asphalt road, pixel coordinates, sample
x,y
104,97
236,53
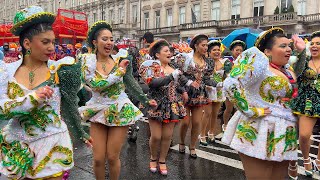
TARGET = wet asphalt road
x,y
215,161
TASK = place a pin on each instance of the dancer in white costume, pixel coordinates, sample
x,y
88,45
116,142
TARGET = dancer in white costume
x,y
38,97
260,85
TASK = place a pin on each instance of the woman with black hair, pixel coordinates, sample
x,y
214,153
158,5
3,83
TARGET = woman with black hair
x,y
221,68
109,110
261,85
38,97
166,87
307,106
197,69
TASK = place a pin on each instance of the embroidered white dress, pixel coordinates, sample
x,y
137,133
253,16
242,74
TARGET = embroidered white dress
x,y
35,143
109,104
251,86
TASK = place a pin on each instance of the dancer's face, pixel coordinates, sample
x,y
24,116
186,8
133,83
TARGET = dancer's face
x,y
104,43
202,47
236,51
164,55
315,47
215,53
280,51
41,45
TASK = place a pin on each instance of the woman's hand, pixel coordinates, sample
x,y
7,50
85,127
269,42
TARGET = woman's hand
x,y
266,111
44,93
124,64
185,97
298,43
89,142
153,103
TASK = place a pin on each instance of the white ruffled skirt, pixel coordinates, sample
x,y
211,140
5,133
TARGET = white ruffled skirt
x,y
269,138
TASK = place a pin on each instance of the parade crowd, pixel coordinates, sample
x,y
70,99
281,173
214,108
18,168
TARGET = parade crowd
x,y
269,94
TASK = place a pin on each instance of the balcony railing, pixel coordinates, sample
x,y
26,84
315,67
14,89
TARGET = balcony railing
x,y
269,20
310,18
202,24
172,29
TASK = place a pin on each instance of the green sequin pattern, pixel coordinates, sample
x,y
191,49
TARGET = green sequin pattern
x,y
272,141
290,139
16,157
275,84
245,131
14,90
242,68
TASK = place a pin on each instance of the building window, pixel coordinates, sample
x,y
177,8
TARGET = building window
x,y
121,15
258,7
235,9
111,16
72,5
301,7
182,15
102,13
94,17
169,17
197,12
157,13
215,10
284,5
88,1
146,20
134,14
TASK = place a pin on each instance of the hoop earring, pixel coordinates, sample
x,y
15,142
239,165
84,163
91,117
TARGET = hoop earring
x,y
28,52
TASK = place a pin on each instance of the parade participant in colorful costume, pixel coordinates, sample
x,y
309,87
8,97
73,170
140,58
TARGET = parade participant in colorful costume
x,y
236,48
260,85
166,87
197,69
221,68
109,110
306,105
38,97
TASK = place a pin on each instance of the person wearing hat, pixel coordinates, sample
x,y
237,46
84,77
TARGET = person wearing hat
x,y
221,68
109,110
264,129
236,48
306,104
197,69
39,98
167,88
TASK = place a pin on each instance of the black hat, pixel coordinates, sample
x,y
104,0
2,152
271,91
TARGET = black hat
x,y
156,45
263,38
94,28
237,43
195,38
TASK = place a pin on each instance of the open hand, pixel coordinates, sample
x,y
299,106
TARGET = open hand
x,y
124,64
298,43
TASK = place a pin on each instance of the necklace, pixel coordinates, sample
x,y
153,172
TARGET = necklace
x,y
104,65
292,81
32,75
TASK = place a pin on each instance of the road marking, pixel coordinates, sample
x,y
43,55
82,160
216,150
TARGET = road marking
x,y
229,161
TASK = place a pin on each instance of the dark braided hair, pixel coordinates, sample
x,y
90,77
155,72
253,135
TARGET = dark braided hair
x,y
32,31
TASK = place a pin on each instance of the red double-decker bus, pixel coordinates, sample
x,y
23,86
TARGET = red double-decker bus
x,y
70,27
